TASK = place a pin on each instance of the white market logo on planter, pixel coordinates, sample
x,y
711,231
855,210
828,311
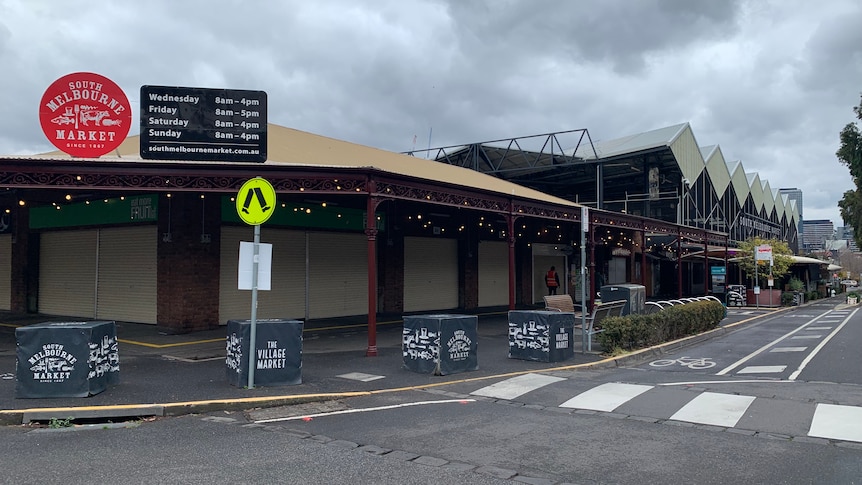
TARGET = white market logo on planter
x,y
85,114
52,364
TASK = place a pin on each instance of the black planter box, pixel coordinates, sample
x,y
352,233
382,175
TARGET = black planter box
x,y
278,352
543,336
66,359
440,344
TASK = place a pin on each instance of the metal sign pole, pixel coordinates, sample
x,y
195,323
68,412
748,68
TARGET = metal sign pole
x,y
253,337
756,281
584,228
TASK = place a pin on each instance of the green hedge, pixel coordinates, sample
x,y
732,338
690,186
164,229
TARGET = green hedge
x,y
632,332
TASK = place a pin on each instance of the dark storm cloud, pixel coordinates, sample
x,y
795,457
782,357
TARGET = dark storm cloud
x,y
772,82
619,33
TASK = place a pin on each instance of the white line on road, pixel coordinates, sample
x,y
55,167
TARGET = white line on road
x,y
837,422
802,337
715,409
365,410
770,344
820,328
694,383
762,369
516,386
822,344
606,397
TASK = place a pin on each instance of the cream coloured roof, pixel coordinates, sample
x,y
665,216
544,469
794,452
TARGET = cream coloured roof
x,y
290,147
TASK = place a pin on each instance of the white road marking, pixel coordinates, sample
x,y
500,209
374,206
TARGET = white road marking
x,y
820,346
802,337
819,328
606,397
762,369
359,376
516,386
789,349
740,381
770,344
715,409
837,422
365,410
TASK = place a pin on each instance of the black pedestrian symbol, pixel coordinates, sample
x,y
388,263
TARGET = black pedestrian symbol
x,y
260,200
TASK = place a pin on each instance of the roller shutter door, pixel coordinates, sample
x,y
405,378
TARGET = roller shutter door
x,y
67,273
127,284
287,297
5,272
430,274
339,274
541,265
493,273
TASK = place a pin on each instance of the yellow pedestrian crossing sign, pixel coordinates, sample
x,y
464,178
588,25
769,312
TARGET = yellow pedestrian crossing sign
x,y
255,201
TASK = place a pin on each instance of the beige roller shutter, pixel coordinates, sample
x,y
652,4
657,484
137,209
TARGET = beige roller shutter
x,y
67,273
127,284
5,271
493,273
430,274
286,299
339,274
541,265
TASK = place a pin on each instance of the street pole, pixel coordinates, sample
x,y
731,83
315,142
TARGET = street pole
x,y
252,345
585,214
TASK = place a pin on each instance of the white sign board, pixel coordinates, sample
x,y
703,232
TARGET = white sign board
x,y
246,263
763,253
585,219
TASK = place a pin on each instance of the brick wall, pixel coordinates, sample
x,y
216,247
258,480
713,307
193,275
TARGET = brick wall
x,y
188,268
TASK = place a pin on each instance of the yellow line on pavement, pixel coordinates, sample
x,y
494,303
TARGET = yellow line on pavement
x,y
336,395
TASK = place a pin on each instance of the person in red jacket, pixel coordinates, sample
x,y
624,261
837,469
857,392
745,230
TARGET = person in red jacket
x,y
552,279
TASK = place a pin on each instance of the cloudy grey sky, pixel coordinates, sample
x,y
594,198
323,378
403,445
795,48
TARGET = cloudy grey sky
x,y
770,81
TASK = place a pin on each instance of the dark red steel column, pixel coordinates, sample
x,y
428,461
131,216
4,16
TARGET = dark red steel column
x,y
371,233
510,227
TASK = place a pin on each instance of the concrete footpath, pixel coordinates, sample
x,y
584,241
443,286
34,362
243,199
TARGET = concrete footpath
x,y
177,374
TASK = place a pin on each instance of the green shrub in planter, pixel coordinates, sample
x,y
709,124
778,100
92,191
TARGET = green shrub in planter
x,y
632,332
787,298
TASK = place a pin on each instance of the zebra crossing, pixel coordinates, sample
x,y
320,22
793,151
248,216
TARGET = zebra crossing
x,y
829,421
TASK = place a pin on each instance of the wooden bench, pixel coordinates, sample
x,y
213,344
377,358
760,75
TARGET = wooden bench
x,y
559,303
564,303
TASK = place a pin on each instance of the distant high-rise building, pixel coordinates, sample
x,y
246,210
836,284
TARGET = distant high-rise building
x,y
816,233
796,195
846,233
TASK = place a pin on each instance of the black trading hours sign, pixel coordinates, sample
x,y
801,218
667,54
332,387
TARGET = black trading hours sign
x,y
179,123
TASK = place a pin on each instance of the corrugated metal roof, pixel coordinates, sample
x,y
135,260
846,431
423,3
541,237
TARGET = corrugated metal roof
x,y
717,169
756,189
739,181
634,143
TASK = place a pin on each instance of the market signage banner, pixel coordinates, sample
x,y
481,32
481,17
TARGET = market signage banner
x,y
180,123
85,115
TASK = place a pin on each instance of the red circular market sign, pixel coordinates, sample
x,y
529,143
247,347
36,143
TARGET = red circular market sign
x,y
85,115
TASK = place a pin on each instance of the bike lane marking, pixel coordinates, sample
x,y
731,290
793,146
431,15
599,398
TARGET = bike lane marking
x,y
762,369
810,357
770,344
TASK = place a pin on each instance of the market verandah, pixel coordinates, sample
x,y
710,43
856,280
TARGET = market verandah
x,y
189,266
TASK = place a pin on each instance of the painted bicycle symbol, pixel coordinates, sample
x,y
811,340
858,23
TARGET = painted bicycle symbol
x,y
690,362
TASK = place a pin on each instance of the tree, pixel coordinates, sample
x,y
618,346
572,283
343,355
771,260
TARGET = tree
x,y
781,259
850,154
